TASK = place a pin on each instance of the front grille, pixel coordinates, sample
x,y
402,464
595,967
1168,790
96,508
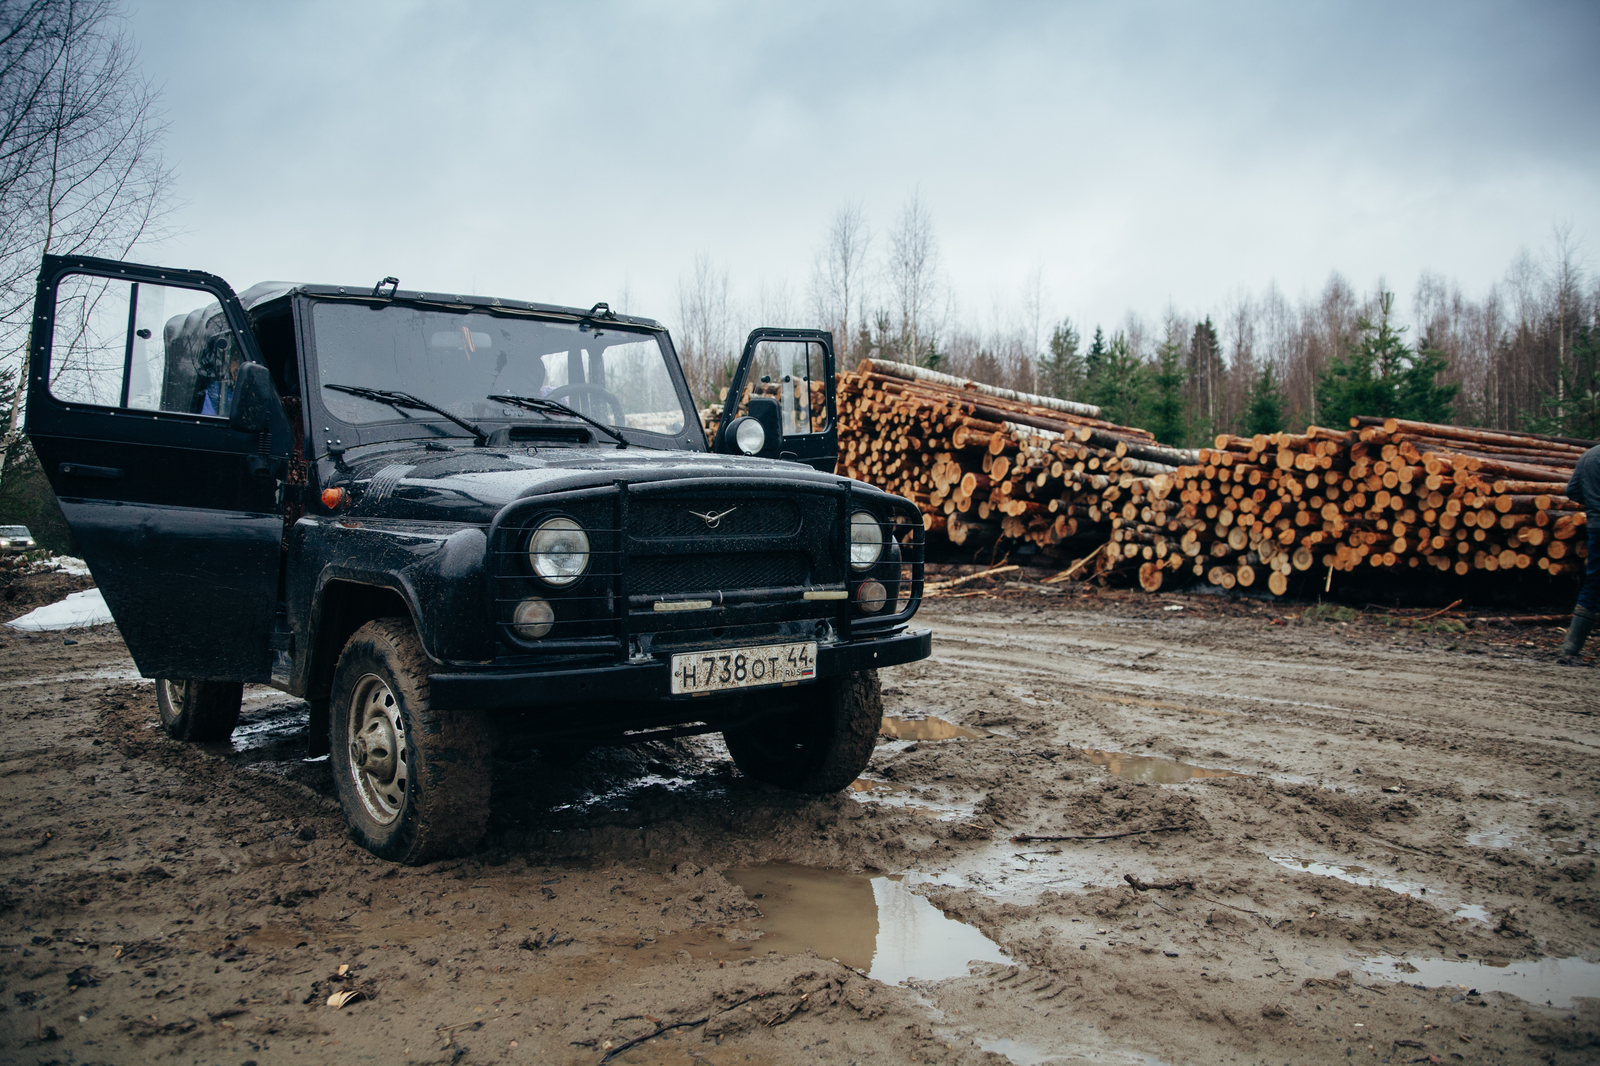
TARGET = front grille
x,y
771,539
736,516
723,571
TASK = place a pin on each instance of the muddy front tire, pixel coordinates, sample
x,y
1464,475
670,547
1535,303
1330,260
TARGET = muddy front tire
x,y
820,742
413,782
199,710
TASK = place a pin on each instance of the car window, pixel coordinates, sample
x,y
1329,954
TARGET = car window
x,y
138,345
792,374
458,360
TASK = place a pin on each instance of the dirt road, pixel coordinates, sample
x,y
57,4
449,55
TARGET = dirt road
x,y
1367,835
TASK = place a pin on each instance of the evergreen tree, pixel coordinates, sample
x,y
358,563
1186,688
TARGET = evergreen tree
x,y
1574,411
1205,376
1167,420
1062,372
1419,396
1119,388
1265,413
1380,375
1095,360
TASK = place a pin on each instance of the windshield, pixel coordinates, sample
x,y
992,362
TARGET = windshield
x,y
457,360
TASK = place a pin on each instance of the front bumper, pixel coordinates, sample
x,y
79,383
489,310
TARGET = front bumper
x,y
507,690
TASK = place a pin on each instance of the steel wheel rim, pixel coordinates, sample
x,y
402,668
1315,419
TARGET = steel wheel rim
x,y
379,765
177,697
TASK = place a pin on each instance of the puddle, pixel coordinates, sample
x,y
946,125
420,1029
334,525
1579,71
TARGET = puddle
x,y
1018,1052
1549,981
928,729
1152,769
268,732
1355,875
1474,912
110,673
278,935
1505,836
876,924
1030,1055
884,788
903,797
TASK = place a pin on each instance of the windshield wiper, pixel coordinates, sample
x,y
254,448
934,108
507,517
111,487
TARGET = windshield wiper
x,y
539,403
405,399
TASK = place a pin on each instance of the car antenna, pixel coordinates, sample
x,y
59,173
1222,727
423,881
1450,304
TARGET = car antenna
x,y
391,281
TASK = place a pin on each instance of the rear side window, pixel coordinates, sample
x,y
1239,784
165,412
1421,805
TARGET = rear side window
x,y
141,346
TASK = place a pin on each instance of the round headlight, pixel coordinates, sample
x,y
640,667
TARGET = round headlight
x,y
559,552
866,540
748,436
533,618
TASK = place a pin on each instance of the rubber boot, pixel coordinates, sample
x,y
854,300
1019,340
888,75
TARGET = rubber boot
x,y
1582,621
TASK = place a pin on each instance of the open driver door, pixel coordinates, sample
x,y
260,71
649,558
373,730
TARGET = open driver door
x,y
160,432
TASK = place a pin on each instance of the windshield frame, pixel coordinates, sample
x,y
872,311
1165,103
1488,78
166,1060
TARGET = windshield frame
x,y
328,432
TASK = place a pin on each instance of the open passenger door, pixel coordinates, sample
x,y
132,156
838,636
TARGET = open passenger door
x,y
785,383
161,434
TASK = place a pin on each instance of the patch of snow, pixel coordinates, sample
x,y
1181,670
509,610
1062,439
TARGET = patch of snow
x,y
80,610
64,564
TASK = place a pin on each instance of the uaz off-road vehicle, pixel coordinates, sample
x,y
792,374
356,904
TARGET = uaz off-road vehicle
x,y
448,521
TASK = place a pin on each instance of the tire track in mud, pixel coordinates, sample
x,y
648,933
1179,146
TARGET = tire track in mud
x,y
1492,702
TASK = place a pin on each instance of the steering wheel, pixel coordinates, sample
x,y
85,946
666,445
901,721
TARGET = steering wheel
x,y
582,389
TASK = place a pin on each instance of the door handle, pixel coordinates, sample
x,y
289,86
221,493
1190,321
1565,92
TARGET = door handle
x,y
104,473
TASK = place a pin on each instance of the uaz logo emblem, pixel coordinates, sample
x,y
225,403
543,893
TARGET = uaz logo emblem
x,y
712,519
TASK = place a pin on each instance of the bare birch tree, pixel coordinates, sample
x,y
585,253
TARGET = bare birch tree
x,y
839,273
705,328
80,160
914,277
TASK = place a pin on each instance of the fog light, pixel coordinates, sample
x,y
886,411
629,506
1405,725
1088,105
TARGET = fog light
x,y
871,596
533,618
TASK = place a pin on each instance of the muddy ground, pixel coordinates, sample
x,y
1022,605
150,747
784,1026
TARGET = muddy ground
x,y
1371,825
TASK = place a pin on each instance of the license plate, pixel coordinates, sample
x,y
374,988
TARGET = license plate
x,y
720,670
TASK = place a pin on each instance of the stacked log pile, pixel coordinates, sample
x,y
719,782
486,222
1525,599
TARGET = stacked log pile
x,y
986,465
1388,493
1466,499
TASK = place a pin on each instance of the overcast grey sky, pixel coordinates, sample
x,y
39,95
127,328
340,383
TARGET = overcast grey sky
x,y
1140,153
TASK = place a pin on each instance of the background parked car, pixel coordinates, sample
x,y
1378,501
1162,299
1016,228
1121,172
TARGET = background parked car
x,y
14,540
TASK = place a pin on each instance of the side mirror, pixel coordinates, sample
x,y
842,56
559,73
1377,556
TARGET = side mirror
x,y
255,399
766,414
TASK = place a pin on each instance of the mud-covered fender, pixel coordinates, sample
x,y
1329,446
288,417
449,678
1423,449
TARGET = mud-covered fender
x,y
437,571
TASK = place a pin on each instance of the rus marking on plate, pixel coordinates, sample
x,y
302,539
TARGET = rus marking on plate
x,y
722,669
712,519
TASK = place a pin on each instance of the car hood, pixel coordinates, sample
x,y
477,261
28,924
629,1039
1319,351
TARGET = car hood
x,y
474,484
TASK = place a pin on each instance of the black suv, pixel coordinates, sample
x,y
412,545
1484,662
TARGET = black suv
x,y
449,522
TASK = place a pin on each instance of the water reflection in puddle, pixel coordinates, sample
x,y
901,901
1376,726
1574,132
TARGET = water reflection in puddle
x,y
1355,875
129,672
903,797
928,729
1505,836
876,924
1550,981
1018,1052
1029,1055
1152,769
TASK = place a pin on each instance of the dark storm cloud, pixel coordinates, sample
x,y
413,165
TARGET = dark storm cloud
x,y
1139,153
